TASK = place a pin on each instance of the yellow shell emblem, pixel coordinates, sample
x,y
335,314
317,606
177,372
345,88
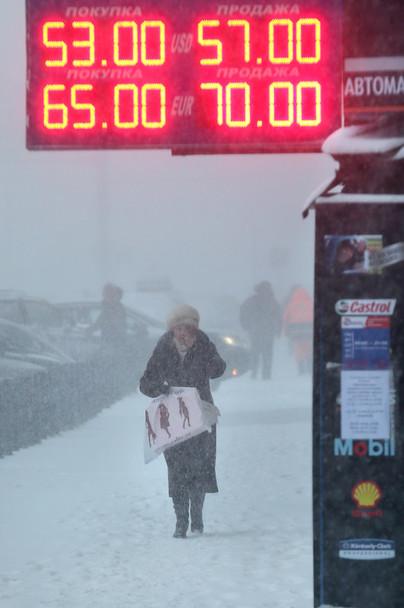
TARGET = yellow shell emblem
x,y
366,494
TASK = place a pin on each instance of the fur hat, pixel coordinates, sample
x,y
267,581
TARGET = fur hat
x,y
183,315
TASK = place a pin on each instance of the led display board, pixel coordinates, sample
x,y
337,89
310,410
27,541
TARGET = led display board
x,y
191,76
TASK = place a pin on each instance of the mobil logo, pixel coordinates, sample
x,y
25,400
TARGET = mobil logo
x,y
361,448
365,307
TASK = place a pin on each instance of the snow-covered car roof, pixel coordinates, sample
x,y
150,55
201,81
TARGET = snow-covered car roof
x,y
139,316
17,338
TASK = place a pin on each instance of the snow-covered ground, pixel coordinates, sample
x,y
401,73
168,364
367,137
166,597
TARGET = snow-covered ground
x,y
84,523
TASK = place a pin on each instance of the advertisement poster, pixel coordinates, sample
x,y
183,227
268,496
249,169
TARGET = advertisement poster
x,y
360,254
353,254
174,418
365,372
365,412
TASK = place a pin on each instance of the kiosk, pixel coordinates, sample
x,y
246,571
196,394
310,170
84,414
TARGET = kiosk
x,y
358,372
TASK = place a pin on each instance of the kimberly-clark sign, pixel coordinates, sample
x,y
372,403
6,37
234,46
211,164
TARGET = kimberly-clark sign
x,y
366,549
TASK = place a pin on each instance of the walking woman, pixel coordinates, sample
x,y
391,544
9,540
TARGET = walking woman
x,y
184,356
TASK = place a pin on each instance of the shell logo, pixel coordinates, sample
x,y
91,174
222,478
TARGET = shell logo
x,y
366,494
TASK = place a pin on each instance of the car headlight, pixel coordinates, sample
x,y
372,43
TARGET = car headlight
x,y
229,340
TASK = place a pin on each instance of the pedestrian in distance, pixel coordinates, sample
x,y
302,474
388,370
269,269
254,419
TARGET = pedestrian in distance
x,y
260,318
112,319
298,316
114,358
184,356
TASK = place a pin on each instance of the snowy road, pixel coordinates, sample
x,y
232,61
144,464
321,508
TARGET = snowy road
x,y
84,523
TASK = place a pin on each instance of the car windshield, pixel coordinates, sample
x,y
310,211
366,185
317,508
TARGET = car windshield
x,y
10,310
41,314
14,339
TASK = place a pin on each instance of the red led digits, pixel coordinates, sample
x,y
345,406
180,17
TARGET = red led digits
x,y
287,104
301,41
158,92
304,117
54,34
218,88
278,29
54,112
233,103
215,75
124,105
131,119
287,41
281,92
205,39
146,107
128,34
58,59
295,102
88,44
146,31
132,43
245,25
308,41
133,106
122,30
87,108
243,92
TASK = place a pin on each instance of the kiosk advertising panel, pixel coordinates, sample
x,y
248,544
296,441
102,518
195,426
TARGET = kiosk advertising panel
x,y
358,394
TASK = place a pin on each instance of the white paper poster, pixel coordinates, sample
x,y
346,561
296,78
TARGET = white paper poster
x,y
365,407
174,418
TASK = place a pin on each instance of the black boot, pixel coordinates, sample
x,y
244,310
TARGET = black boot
x,y
181,508
197,498
180,531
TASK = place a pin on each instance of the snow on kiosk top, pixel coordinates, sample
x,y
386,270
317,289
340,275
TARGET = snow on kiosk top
x,y
370,158
363,139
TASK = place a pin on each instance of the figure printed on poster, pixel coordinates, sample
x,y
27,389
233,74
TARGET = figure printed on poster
x,y
164,418
176,417
184,412
151,435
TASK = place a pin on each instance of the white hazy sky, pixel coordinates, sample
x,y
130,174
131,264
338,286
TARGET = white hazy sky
x,y
72,220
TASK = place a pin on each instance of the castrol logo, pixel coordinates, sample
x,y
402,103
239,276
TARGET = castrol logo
x,y
365,307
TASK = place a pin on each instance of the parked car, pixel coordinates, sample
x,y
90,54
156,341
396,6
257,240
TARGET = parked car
x,y
9,368
36,313
143,334
233,350
23,352
77,317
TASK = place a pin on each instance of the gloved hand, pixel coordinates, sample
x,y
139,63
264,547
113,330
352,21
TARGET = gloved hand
x,y
165,389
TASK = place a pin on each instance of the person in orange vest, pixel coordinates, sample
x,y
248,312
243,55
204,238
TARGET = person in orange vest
x,y
298,327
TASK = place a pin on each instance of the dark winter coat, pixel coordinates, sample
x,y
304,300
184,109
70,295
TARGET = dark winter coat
x,y
112,323
191,464
260,316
